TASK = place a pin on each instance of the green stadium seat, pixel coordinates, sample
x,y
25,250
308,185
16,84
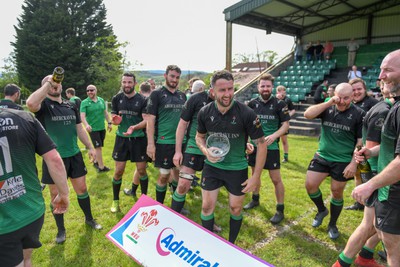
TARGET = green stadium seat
x,y
302,90
294,98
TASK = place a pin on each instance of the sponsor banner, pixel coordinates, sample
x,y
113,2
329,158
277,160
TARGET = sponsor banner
x,y
154,235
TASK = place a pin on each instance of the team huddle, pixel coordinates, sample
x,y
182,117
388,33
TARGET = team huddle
x,y
173,131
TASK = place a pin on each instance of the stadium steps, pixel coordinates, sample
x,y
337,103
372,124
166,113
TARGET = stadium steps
x,y
300,125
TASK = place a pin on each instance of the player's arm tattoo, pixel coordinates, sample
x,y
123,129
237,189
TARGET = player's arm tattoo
x,y
260,140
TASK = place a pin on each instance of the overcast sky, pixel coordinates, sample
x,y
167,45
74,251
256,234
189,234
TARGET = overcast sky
x,y
188,33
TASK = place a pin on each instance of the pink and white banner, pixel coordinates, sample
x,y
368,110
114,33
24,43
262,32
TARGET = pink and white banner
x,y
154,235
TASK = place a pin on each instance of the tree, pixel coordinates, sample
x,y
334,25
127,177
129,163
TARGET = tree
x,y
68,33
266,56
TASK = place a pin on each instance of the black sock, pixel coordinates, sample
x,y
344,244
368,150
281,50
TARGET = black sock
x,y
134,188
160,193
336,209
235,223
144,184
207,221
116,184
84,203
280,207
256,197
174,185
317,199
177,202
59,218
366,253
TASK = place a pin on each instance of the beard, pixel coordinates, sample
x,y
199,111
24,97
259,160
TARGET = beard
x,y
128,90
394,88
265,96
221,102
169,85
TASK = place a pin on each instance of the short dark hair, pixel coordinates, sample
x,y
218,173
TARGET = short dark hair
x,y
10,89
70,91
130,74
173,67
145,87
267,77
221,74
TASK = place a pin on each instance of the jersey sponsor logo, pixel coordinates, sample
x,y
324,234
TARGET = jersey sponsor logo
x,y
7,124
12,188
229,135
336,126
266,117
174,106
128,112
63,118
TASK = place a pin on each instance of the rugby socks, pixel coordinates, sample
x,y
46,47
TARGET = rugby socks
x,y
336,209
317,199
84,203
134,189
59,218
256,197
178,201
280,207
207,221
174,185
286,156
344,261
161,190
234,227
116,184
144,184
366,253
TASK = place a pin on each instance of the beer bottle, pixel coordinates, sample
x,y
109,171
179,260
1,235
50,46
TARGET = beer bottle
x,y
364,168
58,74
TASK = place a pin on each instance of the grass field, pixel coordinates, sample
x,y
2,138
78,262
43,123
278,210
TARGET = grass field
x,y
292,243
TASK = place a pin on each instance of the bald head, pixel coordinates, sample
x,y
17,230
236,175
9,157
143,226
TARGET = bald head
x,y
390,71
198,86
344,89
